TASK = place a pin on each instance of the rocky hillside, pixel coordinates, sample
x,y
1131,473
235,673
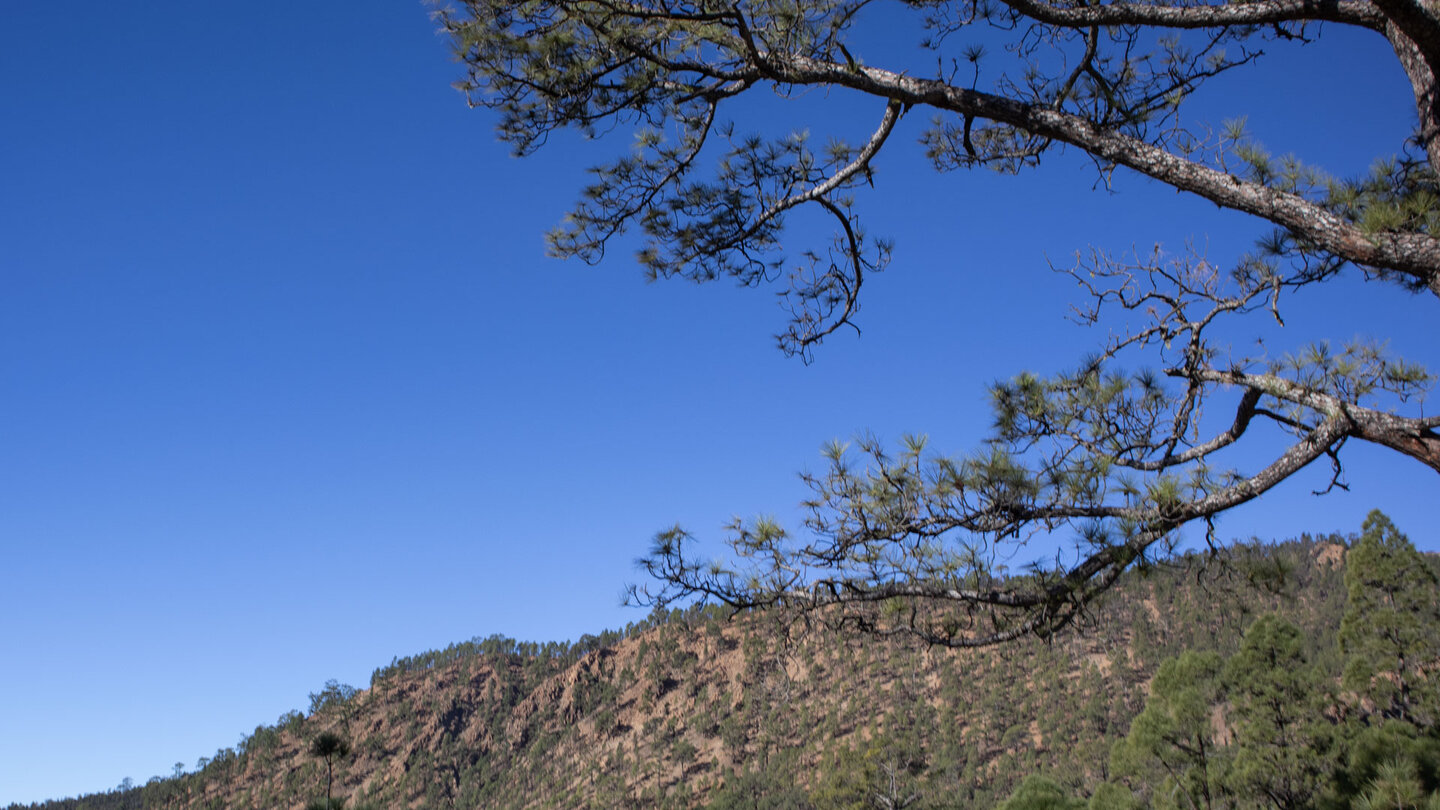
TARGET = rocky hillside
x,y
697,709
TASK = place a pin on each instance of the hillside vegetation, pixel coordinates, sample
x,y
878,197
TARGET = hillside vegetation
x,y
698,709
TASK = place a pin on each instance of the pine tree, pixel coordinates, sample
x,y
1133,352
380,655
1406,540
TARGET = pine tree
x,y
329,746
1171,751
1390,633
1282,752
1041,793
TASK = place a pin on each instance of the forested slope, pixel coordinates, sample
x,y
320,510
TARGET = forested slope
x,y
697,709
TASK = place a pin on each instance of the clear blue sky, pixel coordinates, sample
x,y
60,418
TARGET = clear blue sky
x,y
288,387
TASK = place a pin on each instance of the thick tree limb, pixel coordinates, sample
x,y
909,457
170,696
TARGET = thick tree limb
x,y
1414,437
1351,12
1413,255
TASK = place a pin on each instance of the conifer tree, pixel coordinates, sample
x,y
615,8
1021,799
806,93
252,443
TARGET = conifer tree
x,y
1110,796
329,746
1171,752
1282,753
1396,786
1041,793
1392,747
883,775
1390,633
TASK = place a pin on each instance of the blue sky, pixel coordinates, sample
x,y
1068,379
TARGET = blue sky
x,y
288,386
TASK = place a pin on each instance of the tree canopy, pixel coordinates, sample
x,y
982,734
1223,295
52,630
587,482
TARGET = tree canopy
x,y
329,746
1391,628
1118,459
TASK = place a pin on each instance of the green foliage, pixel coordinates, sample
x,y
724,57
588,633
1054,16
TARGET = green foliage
x,y
333,695
1171,750
1042,793
291,721
1282,746
329,746
1390,633
1394,750
1362,371
885,773
1110,796
758,789
1397,786
683,752
1267,730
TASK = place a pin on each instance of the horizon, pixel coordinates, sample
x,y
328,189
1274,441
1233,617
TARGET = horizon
x,y
631,630
293,388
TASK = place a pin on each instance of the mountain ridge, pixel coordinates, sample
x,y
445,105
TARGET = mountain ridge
x,y
691,708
